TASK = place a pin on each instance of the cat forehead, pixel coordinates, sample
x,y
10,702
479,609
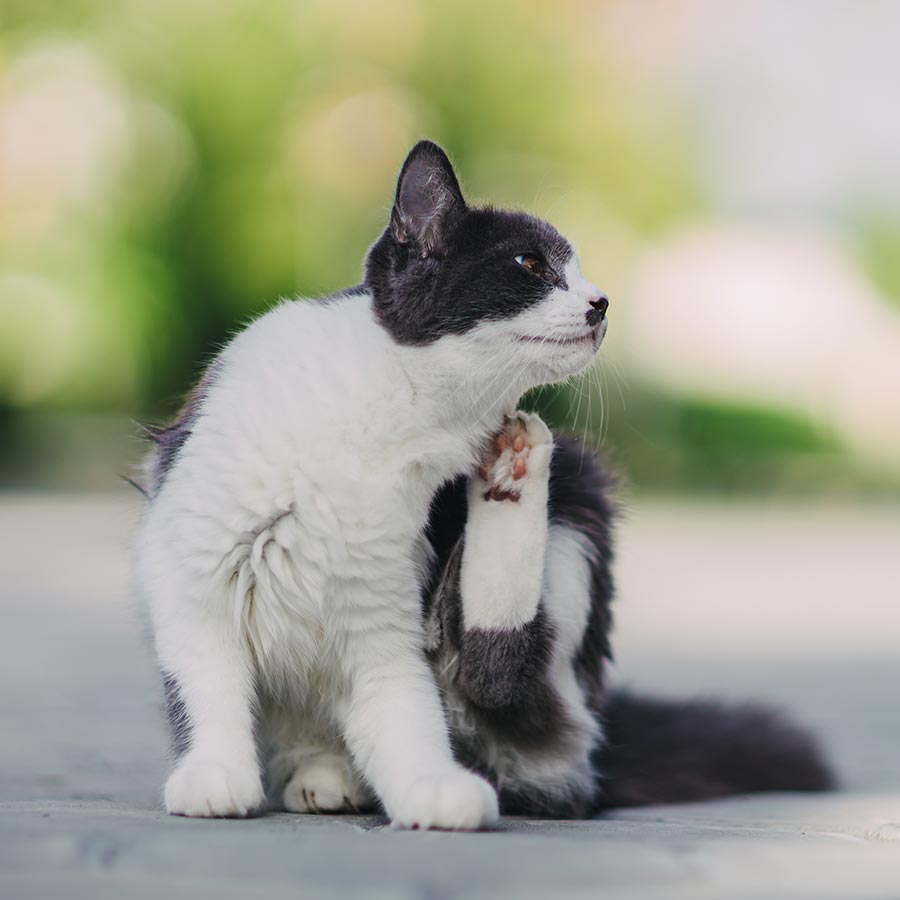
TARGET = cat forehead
x,y
515,231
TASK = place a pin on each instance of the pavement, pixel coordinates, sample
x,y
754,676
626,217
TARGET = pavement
x,y
795,604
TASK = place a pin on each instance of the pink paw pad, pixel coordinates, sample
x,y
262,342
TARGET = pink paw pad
x,y
510,456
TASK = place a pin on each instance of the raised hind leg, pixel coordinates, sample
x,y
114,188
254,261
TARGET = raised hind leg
x,y
529,595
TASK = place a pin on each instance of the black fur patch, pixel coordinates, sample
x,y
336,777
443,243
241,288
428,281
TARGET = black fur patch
x,y
531,800
179,719
498,667
446,526
503,672
441,267
660,751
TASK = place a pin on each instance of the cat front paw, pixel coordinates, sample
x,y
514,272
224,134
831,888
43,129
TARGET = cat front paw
x,y
213,790
325,784
455,801
519,453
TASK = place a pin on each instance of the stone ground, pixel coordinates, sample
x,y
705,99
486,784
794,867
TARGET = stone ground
x,y
798,605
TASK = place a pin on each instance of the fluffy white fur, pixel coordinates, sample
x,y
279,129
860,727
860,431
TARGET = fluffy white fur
x,y
279,558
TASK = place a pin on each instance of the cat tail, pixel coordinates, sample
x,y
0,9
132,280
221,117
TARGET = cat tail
x,y
665,751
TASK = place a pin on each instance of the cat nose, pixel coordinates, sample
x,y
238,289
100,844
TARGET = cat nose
x,y
597,312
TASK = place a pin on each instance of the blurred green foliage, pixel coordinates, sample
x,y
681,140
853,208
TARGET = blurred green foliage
x,y
188,163
878,237
245,152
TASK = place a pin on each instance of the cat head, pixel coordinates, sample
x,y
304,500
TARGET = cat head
x,y
499,285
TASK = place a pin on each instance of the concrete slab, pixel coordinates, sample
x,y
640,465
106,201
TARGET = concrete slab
x,y
82,748
760,847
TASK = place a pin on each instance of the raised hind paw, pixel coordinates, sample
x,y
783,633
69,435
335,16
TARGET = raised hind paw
x,y
326,784
212,790
518,454
455,801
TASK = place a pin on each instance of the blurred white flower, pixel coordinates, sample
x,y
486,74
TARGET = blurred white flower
x,y
63,130
783,320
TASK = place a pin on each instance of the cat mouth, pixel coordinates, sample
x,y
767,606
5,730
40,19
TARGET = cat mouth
x,y
592,336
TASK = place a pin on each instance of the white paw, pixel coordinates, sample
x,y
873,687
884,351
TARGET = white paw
x,y
326,784
207,789
518,454
455,801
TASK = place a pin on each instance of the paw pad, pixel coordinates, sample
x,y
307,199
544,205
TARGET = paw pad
x,y
519,451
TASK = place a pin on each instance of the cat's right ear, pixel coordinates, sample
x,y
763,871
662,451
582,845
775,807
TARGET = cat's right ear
x,y
428,199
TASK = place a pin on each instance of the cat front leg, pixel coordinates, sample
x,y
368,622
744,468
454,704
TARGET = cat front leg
x,y
395,727
210,696
506,638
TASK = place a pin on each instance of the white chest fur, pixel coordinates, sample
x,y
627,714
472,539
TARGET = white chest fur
x,y
299,501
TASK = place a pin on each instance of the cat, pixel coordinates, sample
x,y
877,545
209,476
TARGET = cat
x,y
373,582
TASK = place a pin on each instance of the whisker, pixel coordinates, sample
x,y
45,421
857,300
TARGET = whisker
x,y
619,377
587,424
604,403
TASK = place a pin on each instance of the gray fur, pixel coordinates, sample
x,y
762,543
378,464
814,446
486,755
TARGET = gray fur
x,y
499,669
171,438
177,714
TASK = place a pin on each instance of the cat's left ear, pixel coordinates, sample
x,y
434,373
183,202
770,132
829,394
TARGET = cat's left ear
x,y
428,199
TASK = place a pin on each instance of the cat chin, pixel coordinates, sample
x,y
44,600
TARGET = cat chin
x,y
553,361
573,362
589,352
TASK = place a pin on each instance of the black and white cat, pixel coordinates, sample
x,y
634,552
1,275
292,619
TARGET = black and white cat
x,y
373,581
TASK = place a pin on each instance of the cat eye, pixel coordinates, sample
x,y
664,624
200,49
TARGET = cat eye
x,y
532,263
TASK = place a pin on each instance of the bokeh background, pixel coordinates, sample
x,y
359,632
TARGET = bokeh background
x,y
729,172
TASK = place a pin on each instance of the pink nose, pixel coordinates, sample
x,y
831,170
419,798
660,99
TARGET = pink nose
x,y
597,312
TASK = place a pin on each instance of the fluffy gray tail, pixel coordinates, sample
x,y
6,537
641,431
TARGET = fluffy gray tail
x,y
661,751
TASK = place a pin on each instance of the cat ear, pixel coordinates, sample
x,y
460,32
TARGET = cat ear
x,y
428,199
